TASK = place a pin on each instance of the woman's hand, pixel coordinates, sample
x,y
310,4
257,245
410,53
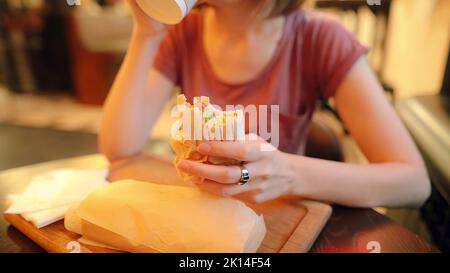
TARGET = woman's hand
x,y
268,178
145,25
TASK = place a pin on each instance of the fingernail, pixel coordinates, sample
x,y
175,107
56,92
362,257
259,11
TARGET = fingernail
x,y
204,148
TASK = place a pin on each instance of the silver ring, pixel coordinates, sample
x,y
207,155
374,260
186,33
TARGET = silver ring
x,y
245,176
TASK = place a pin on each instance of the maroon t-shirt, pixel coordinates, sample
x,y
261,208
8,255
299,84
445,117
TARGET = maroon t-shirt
x,y
313,56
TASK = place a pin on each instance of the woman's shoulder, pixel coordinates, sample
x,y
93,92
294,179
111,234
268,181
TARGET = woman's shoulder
x,y
315,23
321,33
328,48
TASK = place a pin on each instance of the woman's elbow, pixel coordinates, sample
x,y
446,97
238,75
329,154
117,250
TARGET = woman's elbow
x,y
118,167
107,149
112,151
422,186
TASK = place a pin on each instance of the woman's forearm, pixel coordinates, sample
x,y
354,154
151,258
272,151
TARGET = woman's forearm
x,y
125,124
358,185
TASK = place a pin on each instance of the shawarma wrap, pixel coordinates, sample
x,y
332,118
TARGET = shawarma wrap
x,y
200,122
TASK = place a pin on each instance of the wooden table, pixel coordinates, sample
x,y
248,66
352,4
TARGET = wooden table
x,y
348,230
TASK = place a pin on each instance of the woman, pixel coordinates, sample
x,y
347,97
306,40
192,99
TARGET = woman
x,y
265,52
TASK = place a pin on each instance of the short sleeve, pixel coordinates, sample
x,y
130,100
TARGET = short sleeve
x,y
336,51
167,59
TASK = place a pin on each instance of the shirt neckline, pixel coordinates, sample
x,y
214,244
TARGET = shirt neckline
x,y
209,69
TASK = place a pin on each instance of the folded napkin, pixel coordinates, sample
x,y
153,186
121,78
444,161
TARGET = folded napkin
x,y
49,196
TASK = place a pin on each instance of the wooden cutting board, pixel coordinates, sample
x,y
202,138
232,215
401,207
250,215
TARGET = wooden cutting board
x,y
292,224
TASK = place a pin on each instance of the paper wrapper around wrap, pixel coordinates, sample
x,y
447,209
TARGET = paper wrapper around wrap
x,y
140,216
220,125
187,150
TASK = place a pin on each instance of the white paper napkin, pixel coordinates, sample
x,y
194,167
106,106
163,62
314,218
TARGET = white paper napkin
x,y
49,196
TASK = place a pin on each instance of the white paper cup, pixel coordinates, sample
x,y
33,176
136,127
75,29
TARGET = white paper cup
x,y
169,12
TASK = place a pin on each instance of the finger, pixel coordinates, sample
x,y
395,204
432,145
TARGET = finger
x,y
235,189
224,174
218,173
213,187
258,184
231,149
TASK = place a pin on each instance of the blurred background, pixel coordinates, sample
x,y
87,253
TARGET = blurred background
x,y
58,59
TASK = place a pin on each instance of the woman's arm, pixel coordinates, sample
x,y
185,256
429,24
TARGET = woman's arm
x,y
137,95
395,177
